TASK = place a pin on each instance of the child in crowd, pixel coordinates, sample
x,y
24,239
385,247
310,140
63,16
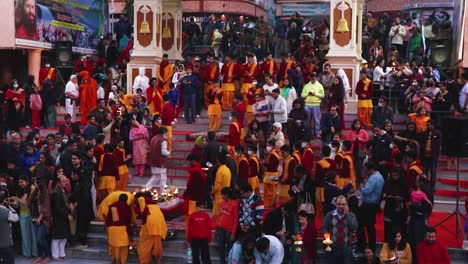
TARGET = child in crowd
x,y
417,199
36,107
199,234
227,222
173,99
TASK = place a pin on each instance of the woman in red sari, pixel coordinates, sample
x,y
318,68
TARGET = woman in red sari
x,y
15,98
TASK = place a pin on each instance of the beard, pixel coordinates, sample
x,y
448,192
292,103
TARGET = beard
x,y
30,23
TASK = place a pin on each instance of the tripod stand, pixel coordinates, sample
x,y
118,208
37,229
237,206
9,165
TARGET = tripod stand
x,y
456,213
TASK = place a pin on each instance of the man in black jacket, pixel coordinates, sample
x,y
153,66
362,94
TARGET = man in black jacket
x,y
62,214
210,160
380,147
430,149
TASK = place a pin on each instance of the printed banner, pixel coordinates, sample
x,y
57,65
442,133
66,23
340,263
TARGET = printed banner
x,y
40,23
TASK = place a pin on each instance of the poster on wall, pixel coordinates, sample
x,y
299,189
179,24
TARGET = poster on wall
x,y
40,23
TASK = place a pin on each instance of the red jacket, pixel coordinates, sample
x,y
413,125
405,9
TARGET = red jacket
x,y
228,216
196,183
240,109
432,254
167,114
199,226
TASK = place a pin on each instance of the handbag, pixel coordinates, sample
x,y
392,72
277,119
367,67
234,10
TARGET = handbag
x,y
73,227
307,205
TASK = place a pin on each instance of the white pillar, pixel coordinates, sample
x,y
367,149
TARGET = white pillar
x,y
172,23
34,63
147,51
345,47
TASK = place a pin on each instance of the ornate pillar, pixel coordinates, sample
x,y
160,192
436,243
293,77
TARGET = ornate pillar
x,y
34,63
345,43
147,47
171,28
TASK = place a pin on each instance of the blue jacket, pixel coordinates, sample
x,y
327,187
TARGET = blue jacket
x,y
373,187
173,95
90,132
26,160
189,84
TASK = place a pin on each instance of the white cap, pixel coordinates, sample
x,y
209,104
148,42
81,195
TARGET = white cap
x,y
278,125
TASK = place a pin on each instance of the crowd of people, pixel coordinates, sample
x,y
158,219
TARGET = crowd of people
x,y
55,186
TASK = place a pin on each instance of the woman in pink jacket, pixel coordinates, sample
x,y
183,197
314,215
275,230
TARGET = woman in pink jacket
x,y
359,137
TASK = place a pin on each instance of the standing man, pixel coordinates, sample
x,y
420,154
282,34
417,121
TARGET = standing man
x,y
323,166
269,66
154,97
430,140
270,177
431,250
118,226
230,72
289,164
165,73
380,148
189,85
371,191
364,91
72,94
326,77
341,224
234,135
250,210
153,230
330,124
211,78
313,94
62,214
108,173
158,160
8,215
249,74
222,179
279,108
381,113
88,95
285,65
397,34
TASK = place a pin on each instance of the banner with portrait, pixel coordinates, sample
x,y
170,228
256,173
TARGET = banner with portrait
x,y
40,23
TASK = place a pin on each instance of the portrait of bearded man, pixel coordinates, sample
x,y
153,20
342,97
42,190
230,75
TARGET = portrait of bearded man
x,y
25,19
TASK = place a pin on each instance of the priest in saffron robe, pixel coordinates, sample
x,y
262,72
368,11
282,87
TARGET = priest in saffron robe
x,y
154,97
211,75
270,175
285,65
364,91
153,230
230,72
269,66
322,167
250,74
88,95
215,118
108,173
118,222
165,73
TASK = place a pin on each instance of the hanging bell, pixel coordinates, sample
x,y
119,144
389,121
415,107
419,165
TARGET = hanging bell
x,y
342,26
166,32
144,27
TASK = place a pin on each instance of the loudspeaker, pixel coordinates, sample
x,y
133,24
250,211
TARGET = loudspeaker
x,y
63,53
455,136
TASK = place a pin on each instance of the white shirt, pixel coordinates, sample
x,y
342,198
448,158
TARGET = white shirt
x,y
100,93
112,95
280,110
269,88
397,37
274,255
379,73
142,82
73,89
164,150
463,95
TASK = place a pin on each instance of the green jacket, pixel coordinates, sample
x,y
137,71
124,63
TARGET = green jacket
x,y
415,42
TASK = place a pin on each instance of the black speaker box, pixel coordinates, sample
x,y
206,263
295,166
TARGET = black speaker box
x,y
455,136
64,53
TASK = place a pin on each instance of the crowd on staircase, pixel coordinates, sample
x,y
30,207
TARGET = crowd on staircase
x,y
266,187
